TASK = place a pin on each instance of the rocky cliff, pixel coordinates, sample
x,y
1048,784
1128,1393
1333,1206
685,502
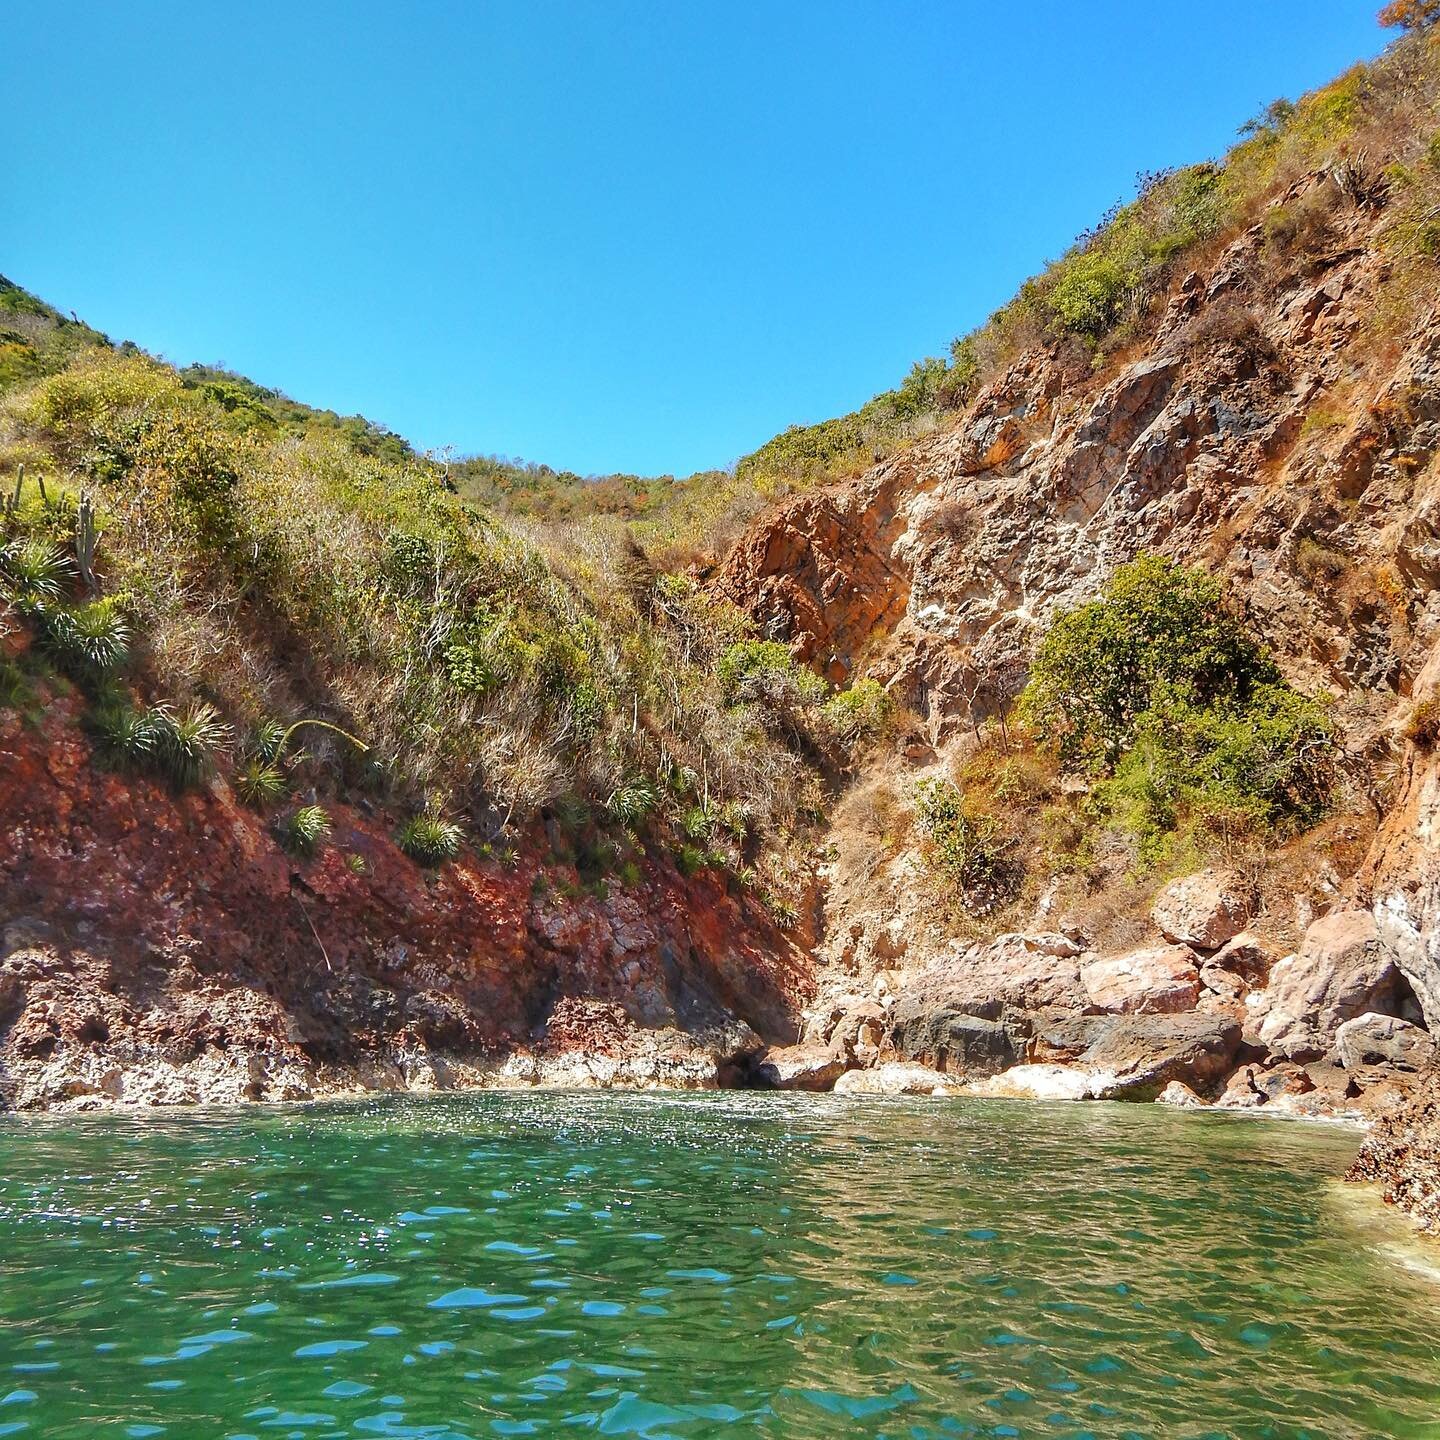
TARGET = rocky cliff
x,y
1273,432
160,949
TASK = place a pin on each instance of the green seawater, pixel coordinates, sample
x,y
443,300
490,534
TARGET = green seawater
x,y
722,1265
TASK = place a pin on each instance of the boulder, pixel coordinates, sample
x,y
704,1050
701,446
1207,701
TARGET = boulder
x,y
895,1078
1061,1038
1038,1082
1203,910
1181,1096
1144,982
800,1067
1341,972
952,1039
1243,956
1222,985
1134,1057
1369,1041
859,1032
1012,974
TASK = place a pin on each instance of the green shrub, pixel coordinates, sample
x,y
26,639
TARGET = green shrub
x,y
1317,561
303,831
1090,293
859,713
752,669
964,846
429,840
1422,726
88,642
15,688
1157,686
1155,626
1274,755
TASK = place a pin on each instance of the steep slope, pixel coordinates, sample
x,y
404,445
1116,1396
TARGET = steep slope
x,y
605,797
1271,415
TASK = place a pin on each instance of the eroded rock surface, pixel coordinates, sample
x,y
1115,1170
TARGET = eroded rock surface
x,y
157,949
1341,971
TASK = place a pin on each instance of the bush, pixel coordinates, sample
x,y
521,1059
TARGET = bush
x,y
1089,294
1155,626
1304,228
1422,727
16,691
859,713
429,840
305,830
966,847
1317,561
750,669
1156,685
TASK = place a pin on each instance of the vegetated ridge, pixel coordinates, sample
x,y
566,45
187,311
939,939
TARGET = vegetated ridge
x,y
1062,722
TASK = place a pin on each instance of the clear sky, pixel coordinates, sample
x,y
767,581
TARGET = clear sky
x,y
608,234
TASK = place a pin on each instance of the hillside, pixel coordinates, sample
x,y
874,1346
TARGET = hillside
x,y
1063,722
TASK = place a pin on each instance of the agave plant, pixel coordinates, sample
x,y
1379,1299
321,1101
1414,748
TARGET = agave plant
x,y
429,840
34,570
90,641
629,804
260,784
124,735
268,744
186,745
697,823
303,831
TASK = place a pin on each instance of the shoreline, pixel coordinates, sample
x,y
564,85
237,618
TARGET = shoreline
x,y
575,1072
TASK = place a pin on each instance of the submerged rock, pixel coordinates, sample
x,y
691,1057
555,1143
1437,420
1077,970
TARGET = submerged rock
x,y
895,1078
1181,1096
1039,1082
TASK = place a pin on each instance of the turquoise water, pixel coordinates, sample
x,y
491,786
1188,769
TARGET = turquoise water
x,y
719,1265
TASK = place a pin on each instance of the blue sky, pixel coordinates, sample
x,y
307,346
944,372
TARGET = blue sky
x,y
607,234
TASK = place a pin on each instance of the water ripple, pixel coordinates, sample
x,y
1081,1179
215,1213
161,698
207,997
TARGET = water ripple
x,y
658,1266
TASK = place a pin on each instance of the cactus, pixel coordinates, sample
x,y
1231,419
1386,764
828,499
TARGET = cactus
x,y
87,537
12,502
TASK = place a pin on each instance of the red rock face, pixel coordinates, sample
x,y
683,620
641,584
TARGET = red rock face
x,y
138,926
819,573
